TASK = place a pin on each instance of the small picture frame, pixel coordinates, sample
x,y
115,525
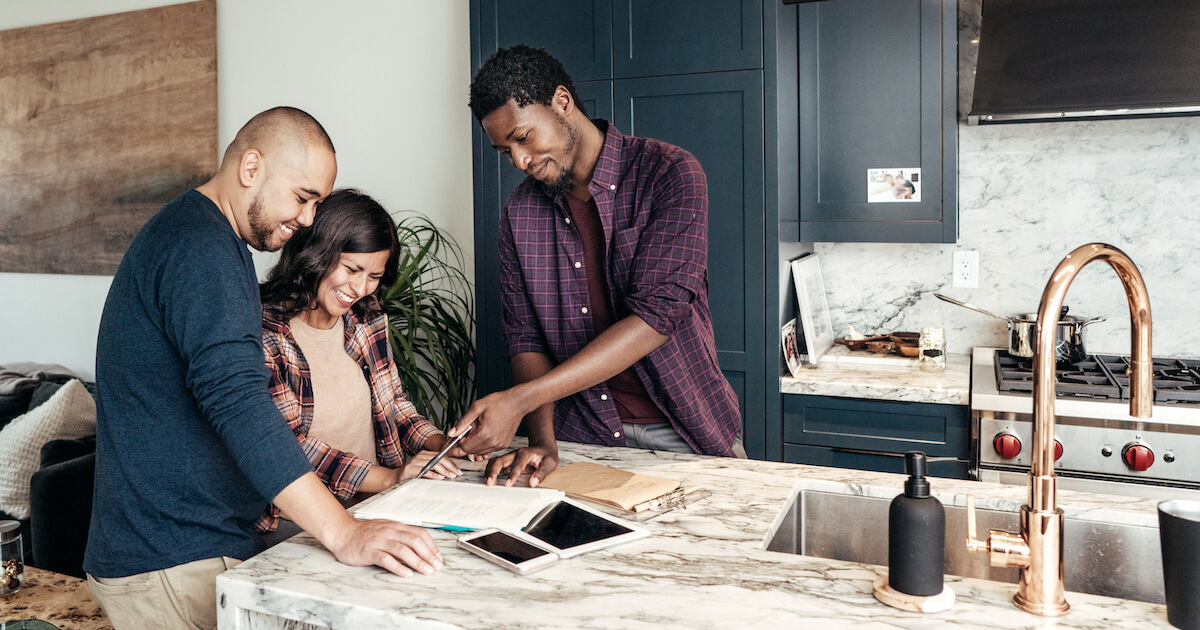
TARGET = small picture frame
x,y
791,351
814,309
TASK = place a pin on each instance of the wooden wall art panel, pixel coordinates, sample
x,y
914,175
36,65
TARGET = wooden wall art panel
x,y
104,120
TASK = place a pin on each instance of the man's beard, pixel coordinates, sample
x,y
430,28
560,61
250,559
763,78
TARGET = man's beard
x,y
562,185
260,228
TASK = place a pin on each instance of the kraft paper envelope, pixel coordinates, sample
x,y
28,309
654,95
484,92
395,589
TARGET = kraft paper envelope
x,y
609,486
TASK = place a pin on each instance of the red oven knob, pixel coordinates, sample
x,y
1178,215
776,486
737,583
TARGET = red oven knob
x,y
1007,445
1137,456
1057,450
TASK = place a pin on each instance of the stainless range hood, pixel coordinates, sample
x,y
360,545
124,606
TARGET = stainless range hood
x,y
1043,60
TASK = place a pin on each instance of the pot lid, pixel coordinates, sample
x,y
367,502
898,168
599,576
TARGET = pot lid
x,y
1064,319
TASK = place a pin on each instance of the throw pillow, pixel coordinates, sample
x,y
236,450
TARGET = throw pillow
x,y
43,393
69,414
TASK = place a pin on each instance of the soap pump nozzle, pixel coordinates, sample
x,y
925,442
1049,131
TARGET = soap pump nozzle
x,y
916,466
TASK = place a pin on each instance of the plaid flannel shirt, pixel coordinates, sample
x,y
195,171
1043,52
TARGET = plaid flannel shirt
x,y
652,198
399,429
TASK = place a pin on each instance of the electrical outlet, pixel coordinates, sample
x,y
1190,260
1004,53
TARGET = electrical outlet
x,y
965,274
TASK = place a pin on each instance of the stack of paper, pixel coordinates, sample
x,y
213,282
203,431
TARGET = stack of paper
x,y
431,503
630,491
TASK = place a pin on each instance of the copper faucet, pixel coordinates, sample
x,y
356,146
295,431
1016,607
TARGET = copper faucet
x,y
1037,550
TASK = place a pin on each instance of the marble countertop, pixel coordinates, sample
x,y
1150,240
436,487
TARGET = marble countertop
x,y
705,566
862,374
55,598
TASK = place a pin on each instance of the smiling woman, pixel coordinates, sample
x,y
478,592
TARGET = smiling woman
x,y
325,339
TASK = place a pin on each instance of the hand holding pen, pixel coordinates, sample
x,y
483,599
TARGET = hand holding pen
x,y
450,445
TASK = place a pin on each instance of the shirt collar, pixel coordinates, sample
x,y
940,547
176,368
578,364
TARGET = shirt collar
x,y
608,166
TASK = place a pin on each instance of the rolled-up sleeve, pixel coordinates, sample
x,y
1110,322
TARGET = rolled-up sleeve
x,y
669,269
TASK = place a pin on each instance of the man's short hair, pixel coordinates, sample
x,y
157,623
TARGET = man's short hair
x,y
278,127
522,74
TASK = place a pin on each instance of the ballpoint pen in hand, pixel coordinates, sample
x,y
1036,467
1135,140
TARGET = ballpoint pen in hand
x,y
445,449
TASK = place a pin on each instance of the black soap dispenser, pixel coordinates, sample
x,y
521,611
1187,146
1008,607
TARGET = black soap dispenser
x,y
916,534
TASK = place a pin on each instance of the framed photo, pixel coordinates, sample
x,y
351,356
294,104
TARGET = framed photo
x,y
814,310
791,351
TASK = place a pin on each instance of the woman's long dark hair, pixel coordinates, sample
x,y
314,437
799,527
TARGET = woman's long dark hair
x,y
347,221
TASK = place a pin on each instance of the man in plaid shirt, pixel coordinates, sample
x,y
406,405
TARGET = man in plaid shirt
x,y
603,253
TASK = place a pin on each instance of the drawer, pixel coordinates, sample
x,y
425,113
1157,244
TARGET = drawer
x,y
877,425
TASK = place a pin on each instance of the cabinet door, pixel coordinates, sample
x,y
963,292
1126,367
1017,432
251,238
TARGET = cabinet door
x,y
496,179
657,37
578,33
877,91
719,119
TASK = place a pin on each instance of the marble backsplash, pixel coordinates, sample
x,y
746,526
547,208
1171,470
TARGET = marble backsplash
x,y
1029,194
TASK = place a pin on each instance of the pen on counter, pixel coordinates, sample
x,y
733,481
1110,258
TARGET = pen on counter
x,y
445,449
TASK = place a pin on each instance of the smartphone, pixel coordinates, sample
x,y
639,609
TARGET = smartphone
x,y
508,551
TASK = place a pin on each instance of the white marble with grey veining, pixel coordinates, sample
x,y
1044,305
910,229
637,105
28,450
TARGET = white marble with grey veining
x,y
847,374
1028,194
704,567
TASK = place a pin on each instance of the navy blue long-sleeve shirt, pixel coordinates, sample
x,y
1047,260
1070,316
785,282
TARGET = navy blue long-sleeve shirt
x,y
190,448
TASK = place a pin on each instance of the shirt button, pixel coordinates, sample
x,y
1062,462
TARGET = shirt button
x,y
603,396
568,220
584,310
578,265
612,187
617,434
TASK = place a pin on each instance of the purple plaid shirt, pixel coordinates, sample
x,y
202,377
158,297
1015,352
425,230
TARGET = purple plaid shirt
x,y
653,203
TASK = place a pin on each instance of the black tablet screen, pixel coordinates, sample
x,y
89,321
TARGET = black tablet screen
x,y
505,546
566,526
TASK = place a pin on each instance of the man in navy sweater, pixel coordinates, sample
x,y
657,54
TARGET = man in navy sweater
x,y
190,447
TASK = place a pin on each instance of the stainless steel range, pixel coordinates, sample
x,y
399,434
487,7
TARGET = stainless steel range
x,y
1099,446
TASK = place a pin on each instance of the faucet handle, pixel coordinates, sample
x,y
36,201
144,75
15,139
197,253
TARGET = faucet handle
x,y
1004,549
973,543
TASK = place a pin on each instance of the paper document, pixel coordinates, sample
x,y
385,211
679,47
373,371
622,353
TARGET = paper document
x,y
432,503
613,486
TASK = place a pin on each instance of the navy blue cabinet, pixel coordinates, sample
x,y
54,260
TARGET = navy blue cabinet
x,y
663,37
718,117
579,32
877,90
875,434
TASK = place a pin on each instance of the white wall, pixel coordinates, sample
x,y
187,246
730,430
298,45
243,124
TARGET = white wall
x,y
388,80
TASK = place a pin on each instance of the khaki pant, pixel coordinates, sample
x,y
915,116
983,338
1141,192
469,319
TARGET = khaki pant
x,y
662,436
182,597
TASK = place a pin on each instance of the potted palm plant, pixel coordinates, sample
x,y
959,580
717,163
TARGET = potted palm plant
x,y
431,321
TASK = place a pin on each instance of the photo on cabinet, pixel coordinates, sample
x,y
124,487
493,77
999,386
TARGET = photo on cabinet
x,y
887,185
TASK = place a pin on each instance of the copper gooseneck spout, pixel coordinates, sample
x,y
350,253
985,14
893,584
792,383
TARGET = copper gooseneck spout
x,y
1037,551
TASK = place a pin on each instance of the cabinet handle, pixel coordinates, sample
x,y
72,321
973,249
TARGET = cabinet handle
x,y
858,451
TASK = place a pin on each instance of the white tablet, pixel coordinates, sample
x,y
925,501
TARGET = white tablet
x,y
570,529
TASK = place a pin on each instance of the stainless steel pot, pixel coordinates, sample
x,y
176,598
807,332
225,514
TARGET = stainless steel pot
x,y
1069,345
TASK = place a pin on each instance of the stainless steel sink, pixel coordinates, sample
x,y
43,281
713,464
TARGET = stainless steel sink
x,y
1100,558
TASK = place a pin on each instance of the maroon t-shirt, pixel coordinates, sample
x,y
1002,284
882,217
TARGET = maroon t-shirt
x,y
633,403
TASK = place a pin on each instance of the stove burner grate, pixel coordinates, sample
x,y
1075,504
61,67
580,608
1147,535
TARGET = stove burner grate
x,y
1176,381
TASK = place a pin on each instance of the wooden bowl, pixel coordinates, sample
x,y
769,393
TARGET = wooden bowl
x,y
881,347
